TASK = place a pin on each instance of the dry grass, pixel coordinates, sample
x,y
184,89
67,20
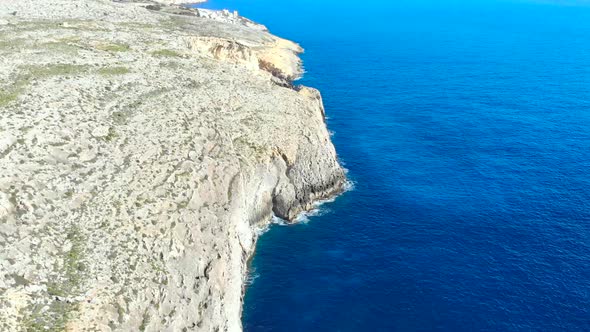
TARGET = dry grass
x,y
167,53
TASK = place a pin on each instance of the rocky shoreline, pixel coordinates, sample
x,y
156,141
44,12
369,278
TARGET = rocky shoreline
x,y
142,144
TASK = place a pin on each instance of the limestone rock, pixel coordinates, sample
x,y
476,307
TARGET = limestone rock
x,y
142,147
6,207
101,131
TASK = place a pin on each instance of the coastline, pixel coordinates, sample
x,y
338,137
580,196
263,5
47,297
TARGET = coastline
x,y
151,201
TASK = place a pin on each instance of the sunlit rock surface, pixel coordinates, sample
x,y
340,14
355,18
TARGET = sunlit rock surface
x,y
141,147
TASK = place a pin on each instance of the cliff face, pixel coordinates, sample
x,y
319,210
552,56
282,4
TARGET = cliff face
x,y
141,147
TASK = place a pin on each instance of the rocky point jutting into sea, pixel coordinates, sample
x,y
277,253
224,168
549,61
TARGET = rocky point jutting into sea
x,y
142,144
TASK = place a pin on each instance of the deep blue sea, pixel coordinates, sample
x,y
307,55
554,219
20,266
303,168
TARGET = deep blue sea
x,y
465,126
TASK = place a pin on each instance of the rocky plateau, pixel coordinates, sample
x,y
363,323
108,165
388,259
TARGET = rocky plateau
x,y
143,145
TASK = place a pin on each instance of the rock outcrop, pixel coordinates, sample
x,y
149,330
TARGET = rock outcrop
x,y
142,145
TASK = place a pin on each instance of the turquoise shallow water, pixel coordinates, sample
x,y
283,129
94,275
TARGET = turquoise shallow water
x,y
466,128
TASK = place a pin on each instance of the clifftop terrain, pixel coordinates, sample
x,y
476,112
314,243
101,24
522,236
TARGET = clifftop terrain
x,y
142,145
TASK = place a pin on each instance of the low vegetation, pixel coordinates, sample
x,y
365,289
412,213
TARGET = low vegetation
x,y
64,287
167,53
113,47
6,97
44,71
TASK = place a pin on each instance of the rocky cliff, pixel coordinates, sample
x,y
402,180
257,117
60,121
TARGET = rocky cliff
x,y
142,145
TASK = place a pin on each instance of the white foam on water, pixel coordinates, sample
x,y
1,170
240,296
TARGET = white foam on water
x,y
251,277
349,185
318,209
259,230
278,221
303,218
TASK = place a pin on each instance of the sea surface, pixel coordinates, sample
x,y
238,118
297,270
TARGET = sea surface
x,y
465,126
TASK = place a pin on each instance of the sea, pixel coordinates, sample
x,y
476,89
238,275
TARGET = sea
x,y
465,128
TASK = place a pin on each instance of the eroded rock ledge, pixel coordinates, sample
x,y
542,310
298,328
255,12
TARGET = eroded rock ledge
x,y
141,146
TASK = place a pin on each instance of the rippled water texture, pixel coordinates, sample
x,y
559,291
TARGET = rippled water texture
x,y
466,127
